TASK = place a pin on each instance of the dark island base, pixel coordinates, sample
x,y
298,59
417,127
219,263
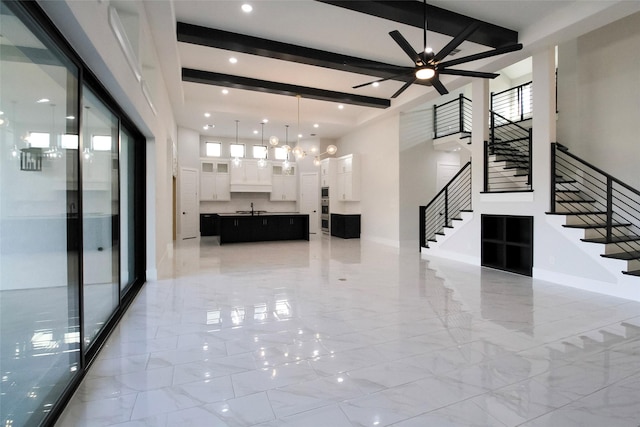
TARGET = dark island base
x,y
261,228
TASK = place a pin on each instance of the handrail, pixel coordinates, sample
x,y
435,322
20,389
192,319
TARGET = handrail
x,y
509,122
512,88
565,150
460,172
453,101
449,118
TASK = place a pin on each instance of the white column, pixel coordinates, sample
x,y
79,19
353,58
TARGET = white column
x,y
544,124
479,134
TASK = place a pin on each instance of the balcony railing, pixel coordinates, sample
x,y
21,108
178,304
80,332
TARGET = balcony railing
x,y
514,104
452,117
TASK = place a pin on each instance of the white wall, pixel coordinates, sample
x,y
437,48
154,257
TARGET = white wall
x,y
378,147
598,93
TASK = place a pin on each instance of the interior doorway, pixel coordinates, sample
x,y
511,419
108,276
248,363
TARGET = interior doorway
x,y
189,207
310,200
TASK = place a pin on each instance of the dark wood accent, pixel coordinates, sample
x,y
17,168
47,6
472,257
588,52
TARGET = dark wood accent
x,y
439,20
507,243
259,228
237,82
345,226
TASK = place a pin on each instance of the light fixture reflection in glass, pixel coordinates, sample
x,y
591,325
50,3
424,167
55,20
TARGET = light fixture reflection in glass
x,y
207,115
247,8
375,84
233,60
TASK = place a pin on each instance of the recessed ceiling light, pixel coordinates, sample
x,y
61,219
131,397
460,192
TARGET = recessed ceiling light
x,y
233,60
255,132
375,84
225,91
316,125
42,100
207,127
247,8
299,135
341,107
207,114
70,117
265,120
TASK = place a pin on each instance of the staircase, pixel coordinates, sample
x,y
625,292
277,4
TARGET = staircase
x,y
607,209
447,206
507,156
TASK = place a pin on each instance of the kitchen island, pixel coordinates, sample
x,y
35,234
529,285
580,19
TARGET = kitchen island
x,y
262,226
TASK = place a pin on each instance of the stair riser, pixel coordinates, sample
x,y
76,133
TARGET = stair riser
x,y
594,233
633,265
574,207
586,219
567,197
613,248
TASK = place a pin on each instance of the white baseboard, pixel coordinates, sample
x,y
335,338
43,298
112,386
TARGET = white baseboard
x,y
626,287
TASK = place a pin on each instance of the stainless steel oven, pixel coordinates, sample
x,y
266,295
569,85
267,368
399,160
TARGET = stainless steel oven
x,y
325,213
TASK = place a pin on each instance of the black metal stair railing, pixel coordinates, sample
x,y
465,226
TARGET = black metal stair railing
x,y
452,117
507,156
605,207
516,103
446,206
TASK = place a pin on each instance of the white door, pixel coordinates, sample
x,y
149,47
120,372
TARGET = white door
x,y
189,208
310,200
445,171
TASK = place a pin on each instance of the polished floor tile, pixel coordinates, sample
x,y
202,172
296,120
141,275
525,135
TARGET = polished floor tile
x,y
337,332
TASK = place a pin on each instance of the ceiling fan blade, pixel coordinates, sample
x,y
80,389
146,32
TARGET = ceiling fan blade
x,y
404,45
467,73
435,82
381,80
456,41
481,55
403,88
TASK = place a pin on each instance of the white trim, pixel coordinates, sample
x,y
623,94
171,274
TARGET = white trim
x,y
626,287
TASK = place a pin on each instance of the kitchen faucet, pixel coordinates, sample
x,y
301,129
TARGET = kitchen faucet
x,y
251,208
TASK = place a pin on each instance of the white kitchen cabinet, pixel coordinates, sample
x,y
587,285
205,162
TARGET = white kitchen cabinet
x,y
284,185
327,167
214,180
249,177
348,178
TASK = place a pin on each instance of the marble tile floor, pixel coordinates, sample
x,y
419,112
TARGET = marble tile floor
x,y
337,333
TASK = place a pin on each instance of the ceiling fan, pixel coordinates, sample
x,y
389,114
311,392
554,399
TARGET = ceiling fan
x,y
429,65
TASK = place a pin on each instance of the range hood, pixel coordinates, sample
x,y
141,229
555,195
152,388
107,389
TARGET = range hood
x,y
251,188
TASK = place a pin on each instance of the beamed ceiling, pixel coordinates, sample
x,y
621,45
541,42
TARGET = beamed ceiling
x,y
320,50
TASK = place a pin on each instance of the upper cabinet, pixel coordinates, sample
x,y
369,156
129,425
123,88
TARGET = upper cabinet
x,y
249,177
285,183
327,172
348,174
214,180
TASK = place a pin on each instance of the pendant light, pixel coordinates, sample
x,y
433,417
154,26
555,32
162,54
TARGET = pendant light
x,y
236,161
87,152
297,150
286,165
262,163
9,123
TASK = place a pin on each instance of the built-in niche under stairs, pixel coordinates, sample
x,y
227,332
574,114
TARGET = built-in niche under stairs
x,y
607,209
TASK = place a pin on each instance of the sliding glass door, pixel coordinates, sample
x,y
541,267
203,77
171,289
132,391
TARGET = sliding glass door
x,y
72,204
39,280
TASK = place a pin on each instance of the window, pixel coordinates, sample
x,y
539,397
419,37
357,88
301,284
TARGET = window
x,y
101,142
38,139
212,149
280,153
259,152
236,150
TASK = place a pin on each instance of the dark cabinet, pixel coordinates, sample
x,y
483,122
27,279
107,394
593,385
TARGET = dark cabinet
x,y
237,229
209,225
507,243
345,226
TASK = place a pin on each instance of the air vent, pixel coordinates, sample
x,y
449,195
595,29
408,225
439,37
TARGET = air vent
x,y
454,52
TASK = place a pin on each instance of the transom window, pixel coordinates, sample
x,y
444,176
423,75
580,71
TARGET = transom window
x,y
213,149
236,150
259,152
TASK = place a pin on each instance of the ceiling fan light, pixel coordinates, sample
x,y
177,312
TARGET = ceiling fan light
x,y
425,73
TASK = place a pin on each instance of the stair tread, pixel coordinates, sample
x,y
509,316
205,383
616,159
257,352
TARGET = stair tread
x,y
575,201
566,191
613,239
577,213
625,256
632,273
596,225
